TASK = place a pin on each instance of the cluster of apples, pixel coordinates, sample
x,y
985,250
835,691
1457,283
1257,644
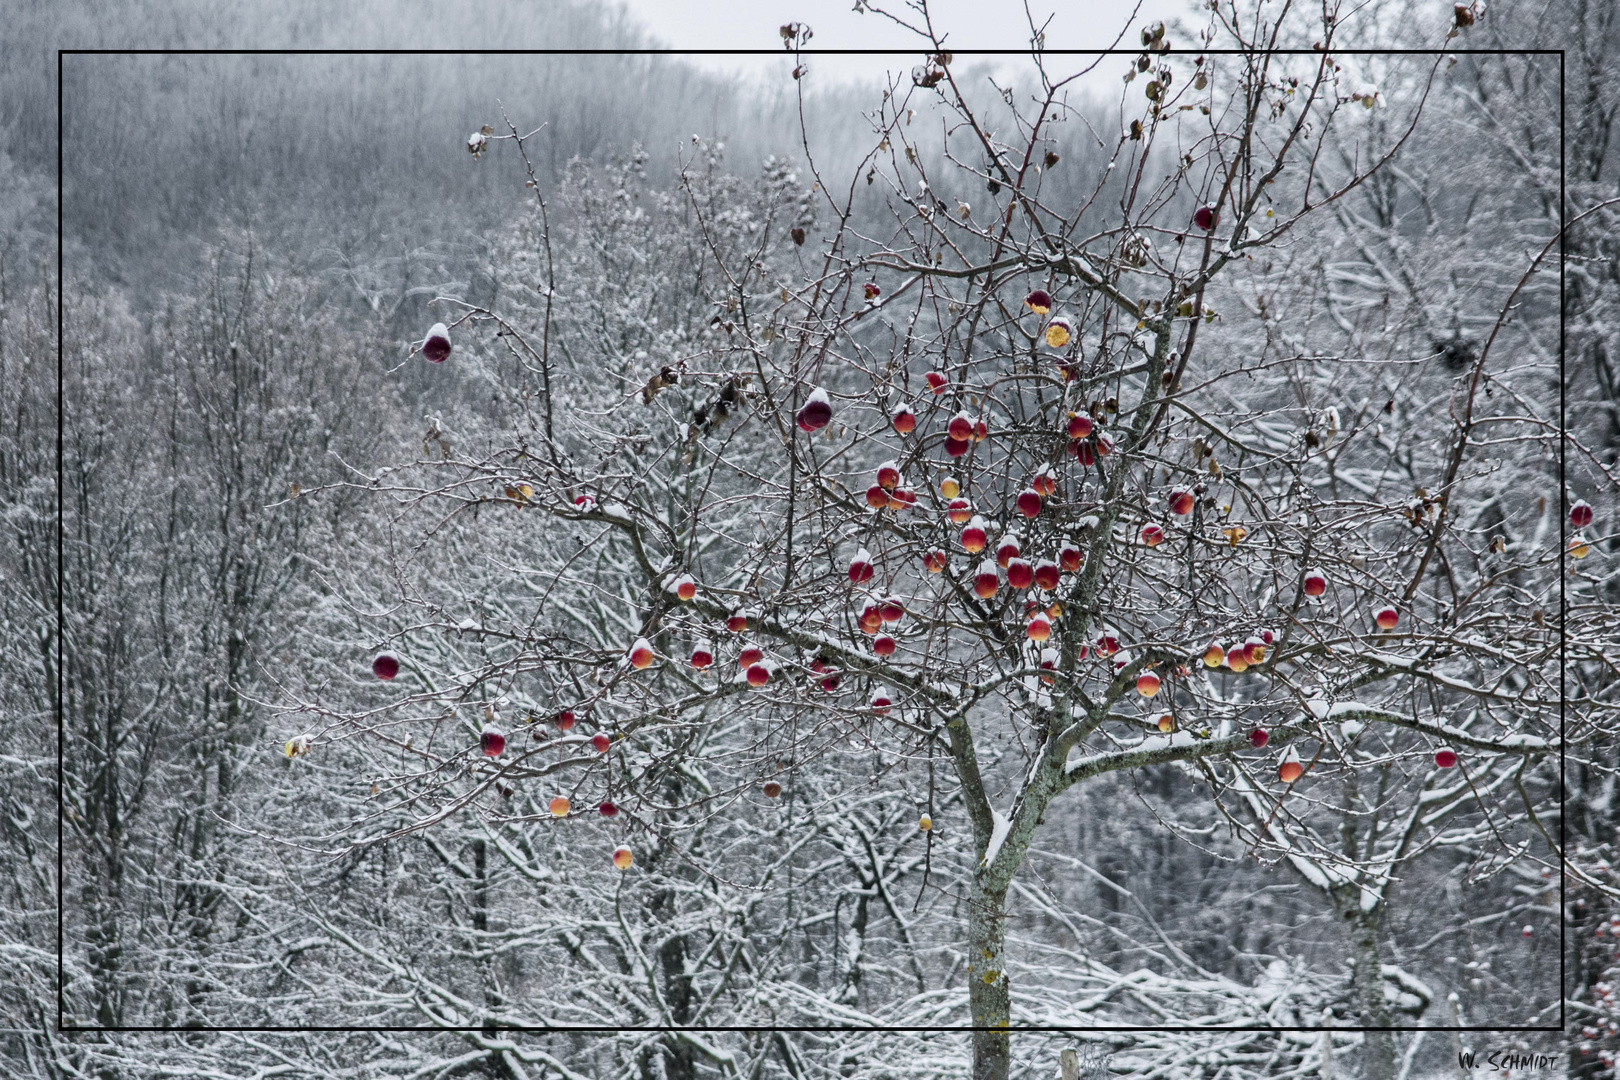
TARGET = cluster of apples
x,y
888,493
1059,331
876,616
1241,656
1580,516
1086,442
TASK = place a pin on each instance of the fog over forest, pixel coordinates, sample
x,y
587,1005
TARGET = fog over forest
x,y
576,566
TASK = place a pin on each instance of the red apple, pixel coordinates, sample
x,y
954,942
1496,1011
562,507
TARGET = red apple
x,y
751,654
436,347
937,381
984,581
1204,217
1044,483
1046,574
974,537
1070,558
1258,738
1237,658
1152,535
492,742
1315,583
1029,502
702,657
817,411
1290,769
934,562
1267,637
1580,514
902,499
737,622
1386,618
1445,757
565,720
1166,723
1039,628
957,447
386,666
1020,575
1181,502
1039,301
1107,645
607,809
1081,451
600,743
758,675
623,857
641,654
961,427
860,567
1007,550
1254,651
1105,446
884,645
888,476
904,420
1147,684
981,430
871,290
959,510
584,503
893,610
881,704
1079,426
876,497
685,587
871,617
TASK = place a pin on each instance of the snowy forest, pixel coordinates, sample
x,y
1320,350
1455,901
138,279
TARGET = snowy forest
x,y
570,567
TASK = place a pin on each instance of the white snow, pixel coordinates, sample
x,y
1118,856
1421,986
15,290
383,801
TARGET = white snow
x,y
997,834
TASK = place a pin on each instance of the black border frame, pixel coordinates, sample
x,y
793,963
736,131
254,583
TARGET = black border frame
x,y
486,1028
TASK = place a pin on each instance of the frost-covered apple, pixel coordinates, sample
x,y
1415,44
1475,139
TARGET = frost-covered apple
x,y
492,742
871,290
860,567
1237,658
1105,445
957,447
985,582
1020,574
1204,217
816,412
959,510
1315,583
1580,514
871,617
936,381
1079,426
1579,548
935,561
981,430
1214,655
902,498
1290,769
1258,738
950,487
975,536
904,420
608,809
960,427
1039,628
881,703
1152,535
1007,550
1082,452
893,609
1044,482
751,654
641,654
436,346
1166,723
1107,645
1059,332
1181,502
385,666
1070,557
884,645
1029,502
1147,684
876,497
1039,301
1445,757
1254,651
737,622
565,720
702,657
771,789
888,475
1386,618
600,742
758,675
925,823
559,806
623,857
685,587
1047,575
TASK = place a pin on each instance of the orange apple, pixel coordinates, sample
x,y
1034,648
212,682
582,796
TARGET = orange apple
x,y
559,806
623,857
1147,684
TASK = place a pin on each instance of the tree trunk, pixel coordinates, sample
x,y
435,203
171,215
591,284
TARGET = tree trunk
x,y
1378,1051
987,981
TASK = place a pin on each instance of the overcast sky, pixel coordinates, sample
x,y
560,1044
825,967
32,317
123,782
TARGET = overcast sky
x,y
970,24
